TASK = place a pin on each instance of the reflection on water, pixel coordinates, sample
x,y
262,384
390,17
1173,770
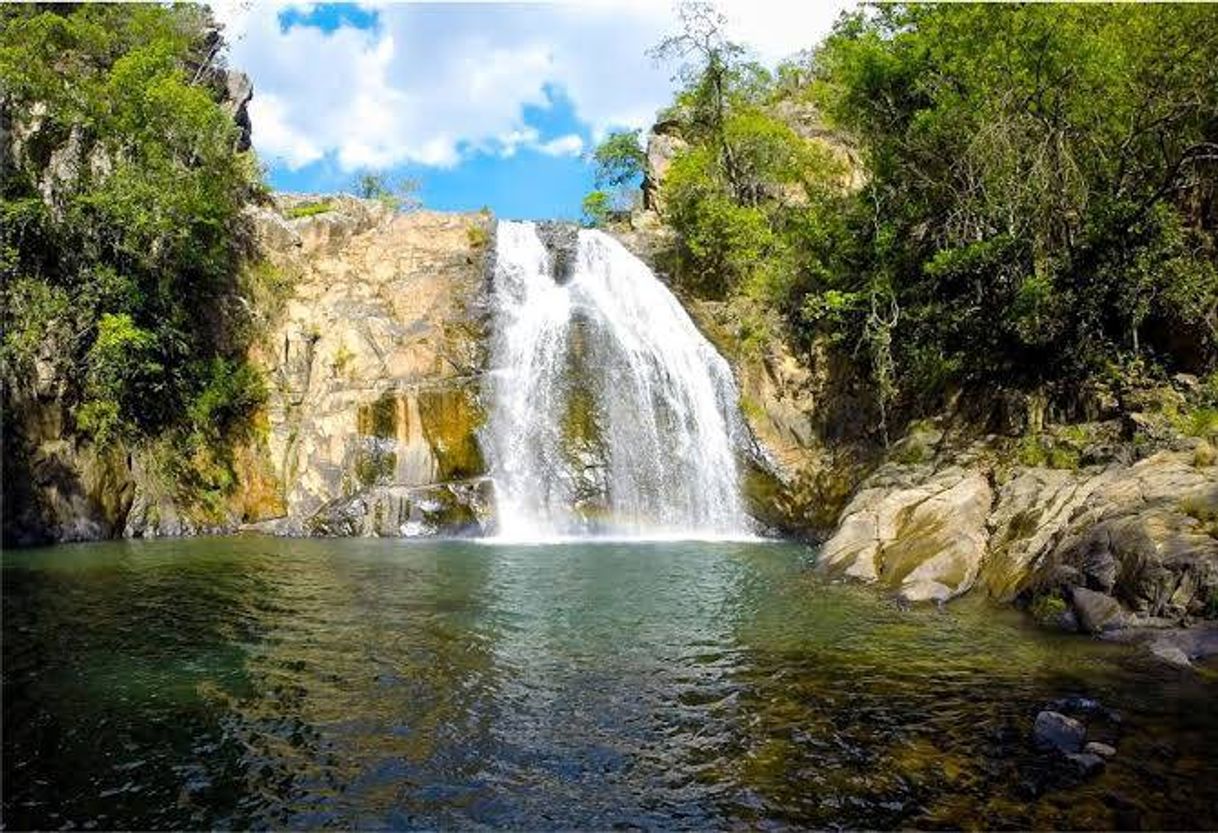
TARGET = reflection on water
x,y
259,682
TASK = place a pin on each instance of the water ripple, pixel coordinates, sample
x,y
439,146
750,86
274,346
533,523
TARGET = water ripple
x,y
250,682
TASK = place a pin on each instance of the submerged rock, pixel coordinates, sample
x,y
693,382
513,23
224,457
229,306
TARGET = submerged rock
x,y
1054,730
1180,647
1086,763
1096,612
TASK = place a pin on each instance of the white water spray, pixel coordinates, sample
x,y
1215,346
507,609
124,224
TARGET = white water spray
x,y
609,413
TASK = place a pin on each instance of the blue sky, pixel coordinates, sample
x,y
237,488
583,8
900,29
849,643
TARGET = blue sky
x,y
527,184
485,104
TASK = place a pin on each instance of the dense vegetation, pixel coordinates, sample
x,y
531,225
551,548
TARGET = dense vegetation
x,y
962,195
120,206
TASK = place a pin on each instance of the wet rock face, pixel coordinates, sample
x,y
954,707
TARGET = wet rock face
x,y
376,363
562,242
448,509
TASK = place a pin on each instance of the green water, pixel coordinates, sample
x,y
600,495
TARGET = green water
x,y
261,682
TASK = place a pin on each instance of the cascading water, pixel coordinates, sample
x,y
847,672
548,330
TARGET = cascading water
x,y
609,413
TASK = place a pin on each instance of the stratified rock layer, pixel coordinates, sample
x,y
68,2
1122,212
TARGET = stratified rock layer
x,y
375,365
1120,545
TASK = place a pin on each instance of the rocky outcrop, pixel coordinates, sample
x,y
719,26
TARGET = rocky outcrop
x,y
921,534
664,142
237,93
1101,548
375,364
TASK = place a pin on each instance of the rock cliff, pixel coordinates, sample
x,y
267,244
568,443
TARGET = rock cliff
x,y
372,349
1118,544
374,364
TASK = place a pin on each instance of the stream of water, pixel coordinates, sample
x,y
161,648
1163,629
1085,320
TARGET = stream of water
x,y
609,413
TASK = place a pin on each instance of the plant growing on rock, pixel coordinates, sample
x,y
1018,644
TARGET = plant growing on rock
x,y
619,162
122,241
396,194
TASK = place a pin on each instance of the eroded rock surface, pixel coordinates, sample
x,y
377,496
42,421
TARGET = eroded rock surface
x,y
375,365
1104,547
919,533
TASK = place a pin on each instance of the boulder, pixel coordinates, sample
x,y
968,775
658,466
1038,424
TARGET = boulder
x,y
922,536
1102,749
1031,510
1096,612
1086,763
1054,730
1139,536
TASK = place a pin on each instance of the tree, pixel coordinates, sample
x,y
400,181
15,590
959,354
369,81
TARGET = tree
x,y
1033,173
597,209
619,162
620,159
398,194
120,263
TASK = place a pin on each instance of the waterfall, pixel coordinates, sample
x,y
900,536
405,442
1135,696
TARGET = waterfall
x,y
608,412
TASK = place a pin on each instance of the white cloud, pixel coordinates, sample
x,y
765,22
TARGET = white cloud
x,y
569,145
433,82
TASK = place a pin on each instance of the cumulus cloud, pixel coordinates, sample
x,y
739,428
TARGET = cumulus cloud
x,y
569,145
431,83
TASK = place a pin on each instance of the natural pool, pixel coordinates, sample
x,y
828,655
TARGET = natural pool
x,y
259,682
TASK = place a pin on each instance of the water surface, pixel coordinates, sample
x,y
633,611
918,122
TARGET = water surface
x,y
371,683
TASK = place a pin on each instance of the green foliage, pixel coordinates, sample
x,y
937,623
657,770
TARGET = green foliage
x,y
1048,608
478,236
309,209
1200,422
619,158
619,162
399,194
1202,511
121,240
1031,172
721,239
1035,203
1042,451
596,209
231,390
121,369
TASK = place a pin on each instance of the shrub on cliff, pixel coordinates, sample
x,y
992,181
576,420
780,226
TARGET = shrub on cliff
x,y
121,205
1036,200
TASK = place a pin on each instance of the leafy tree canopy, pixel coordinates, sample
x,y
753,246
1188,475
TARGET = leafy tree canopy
x,y
121,239
1018,195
